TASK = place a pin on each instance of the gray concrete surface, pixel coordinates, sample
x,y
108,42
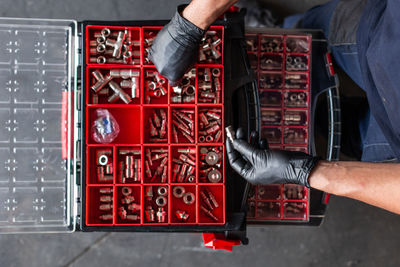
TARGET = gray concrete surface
x,y
354,234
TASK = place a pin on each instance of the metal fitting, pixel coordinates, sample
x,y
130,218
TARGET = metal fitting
x,y
189,198
101,81
106,199
161,215
126,191
118,91
162,191
150,214
106,217
182,215
103,160
106,190
101,60
128,200
105,32
178,191
161,201
214,176
105,207
216,72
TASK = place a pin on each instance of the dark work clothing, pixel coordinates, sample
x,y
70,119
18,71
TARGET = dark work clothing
x,y
364,36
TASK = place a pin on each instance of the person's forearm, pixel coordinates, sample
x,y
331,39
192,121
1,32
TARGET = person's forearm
x,y
377,184
203,13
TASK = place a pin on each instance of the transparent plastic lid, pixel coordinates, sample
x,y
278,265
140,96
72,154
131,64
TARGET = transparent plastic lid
x,y
37,74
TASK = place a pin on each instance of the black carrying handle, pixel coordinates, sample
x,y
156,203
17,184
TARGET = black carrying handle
x,y
242,105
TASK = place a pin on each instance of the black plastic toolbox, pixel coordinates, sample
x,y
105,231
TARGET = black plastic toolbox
x,y
44,185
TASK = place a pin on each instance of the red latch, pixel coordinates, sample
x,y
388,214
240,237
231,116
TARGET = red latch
x,y
219,241
66,97
327,198
233,9
329,64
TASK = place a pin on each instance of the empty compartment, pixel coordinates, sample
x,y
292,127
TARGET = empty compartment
x,y
295,210
270,99
113,45
270,80
297,62
185,91
155,204
271,43
5,45
211,204
101,165
99,205
156,162
271,117
210,85
183,125
212,46
296,81
268,210
273,135
296,99
295,117
128,203
211,163
155,125
294,192
128,120
183,204
155,87
298,44
210,121
268,192
296,148
55,48
251,42
271,62
129,165
296,136
113,85
183,166
149,34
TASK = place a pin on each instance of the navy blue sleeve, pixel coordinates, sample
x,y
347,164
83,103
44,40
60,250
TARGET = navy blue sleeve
x,y
378,42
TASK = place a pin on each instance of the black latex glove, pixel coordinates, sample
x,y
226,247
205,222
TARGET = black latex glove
x,y
268,166
174,51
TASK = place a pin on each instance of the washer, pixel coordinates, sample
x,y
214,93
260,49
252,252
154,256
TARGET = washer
x,y
189,198
103,160
178,191
126,191
212,158
214,176
161,201
162,191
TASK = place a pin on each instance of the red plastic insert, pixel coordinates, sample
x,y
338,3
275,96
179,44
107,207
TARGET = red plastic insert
x,y
159,171
282,64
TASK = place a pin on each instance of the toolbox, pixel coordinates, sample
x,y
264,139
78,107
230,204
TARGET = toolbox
x,y
94,139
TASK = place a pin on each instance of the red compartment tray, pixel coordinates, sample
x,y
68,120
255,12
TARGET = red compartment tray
x,y
134,183
282,64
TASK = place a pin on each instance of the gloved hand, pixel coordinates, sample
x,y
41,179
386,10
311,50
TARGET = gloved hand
x,y
268,166
174,51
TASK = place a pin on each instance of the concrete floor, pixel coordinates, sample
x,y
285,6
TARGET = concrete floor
x,y
354,234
